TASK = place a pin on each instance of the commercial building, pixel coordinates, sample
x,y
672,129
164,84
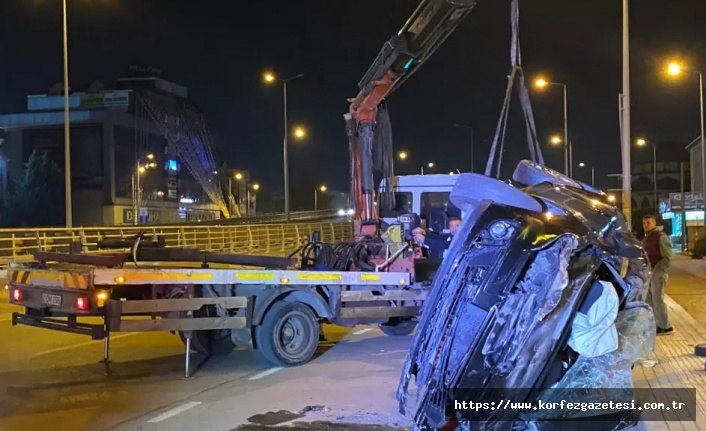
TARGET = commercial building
x,y
122,153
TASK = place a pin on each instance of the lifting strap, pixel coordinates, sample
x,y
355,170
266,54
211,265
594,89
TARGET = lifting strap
x,y
515,74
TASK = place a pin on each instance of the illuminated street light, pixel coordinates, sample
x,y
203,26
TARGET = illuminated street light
x,y
541,83
675,69
568,163
256,186
141,169
316,196
429,165
299,132
270,78
150,156
402,155
556,140
238,176
593,173
642,142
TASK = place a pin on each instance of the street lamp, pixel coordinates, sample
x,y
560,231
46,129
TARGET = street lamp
x,y
253,200
542,83
556,140
299,132
316,196
429,165
67,126
642,142
136,186
402,155
593,173
238,177
676,69
271,78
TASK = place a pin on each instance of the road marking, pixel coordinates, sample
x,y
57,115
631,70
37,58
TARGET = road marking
x,y
76,346
362,331
174,412
265,373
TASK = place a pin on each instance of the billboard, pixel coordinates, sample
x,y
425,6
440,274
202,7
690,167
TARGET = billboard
x,y
686,201
105,99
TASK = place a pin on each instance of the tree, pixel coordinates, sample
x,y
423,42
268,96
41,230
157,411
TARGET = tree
x,y
37,198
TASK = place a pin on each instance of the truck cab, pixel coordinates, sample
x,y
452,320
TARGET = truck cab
x,y
425,195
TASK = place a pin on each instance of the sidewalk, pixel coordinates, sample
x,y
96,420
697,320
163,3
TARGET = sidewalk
x,y
677,366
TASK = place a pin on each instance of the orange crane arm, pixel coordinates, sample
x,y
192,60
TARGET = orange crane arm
x,y
426,29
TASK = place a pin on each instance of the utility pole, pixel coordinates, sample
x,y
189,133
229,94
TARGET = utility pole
x,y
625,123
67,127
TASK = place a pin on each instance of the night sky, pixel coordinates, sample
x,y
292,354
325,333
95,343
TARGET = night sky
x,y
218,50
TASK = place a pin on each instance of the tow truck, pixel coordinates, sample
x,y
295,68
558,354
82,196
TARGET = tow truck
x,y
279,304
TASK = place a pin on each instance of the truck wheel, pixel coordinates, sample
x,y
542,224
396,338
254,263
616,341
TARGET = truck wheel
x,y
211,342
400,329
289,334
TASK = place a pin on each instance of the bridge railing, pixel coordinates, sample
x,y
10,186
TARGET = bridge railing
x,y
269,218
265,239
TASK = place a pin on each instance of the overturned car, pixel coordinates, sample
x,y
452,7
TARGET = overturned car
x,y
541,297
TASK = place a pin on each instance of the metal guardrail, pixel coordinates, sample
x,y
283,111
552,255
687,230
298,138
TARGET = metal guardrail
x,y
264,239
267,218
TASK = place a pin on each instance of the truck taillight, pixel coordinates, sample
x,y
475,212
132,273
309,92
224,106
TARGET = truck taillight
x,y
82,303
16,295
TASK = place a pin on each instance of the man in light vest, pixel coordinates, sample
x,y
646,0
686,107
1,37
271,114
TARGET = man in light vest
x,y
659,253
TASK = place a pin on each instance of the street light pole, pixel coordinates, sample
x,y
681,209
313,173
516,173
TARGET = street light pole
x,y
286,155
67,125
703,146
625,137
567,166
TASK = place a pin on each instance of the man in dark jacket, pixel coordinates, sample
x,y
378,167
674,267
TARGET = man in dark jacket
x,y
438,243
659,253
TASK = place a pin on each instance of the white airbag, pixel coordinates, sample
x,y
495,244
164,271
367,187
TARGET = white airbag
x,y
593,332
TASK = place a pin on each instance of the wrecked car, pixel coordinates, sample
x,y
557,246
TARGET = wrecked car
x,y
541,297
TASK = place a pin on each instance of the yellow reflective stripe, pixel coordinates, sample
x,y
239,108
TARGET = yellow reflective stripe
x,y
369,277
67,280
315,276
254,276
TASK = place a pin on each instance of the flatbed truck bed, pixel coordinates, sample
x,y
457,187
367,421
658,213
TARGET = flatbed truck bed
x,y
275,308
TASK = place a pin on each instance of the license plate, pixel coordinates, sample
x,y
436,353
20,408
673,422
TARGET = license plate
x,y
53,300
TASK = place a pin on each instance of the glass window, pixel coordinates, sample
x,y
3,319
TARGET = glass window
x,y
403,205
435,202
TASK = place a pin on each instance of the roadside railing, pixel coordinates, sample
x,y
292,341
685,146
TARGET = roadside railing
x,y
270,218
265,239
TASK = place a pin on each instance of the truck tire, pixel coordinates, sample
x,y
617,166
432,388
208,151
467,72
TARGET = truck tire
x,y
211,342
400,329
289,334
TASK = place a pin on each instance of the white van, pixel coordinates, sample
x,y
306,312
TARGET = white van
x,y
425,195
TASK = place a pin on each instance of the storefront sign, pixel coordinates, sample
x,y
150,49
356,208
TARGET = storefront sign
x,y
686,201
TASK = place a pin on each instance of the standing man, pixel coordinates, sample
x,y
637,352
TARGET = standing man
x,y
659,253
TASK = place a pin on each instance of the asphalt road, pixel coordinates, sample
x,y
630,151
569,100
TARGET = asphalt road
x,y
54,381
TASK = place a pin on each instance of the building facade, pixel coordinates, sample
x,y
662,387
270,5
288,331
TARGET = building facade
x,y
122,172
